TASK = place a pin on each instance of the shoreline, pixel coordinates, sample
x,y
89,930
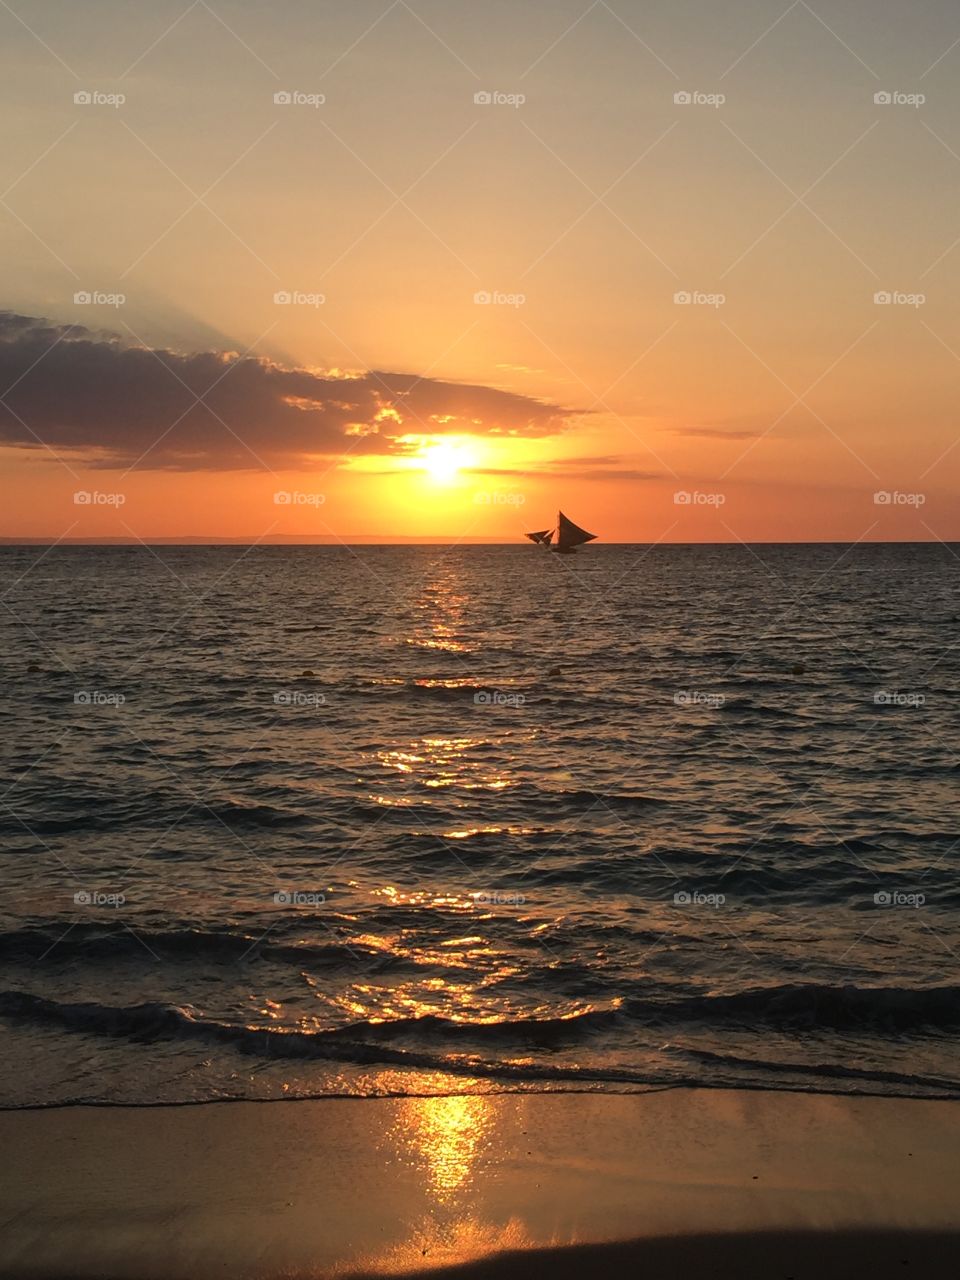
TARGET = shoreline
x,y
490,1184
602,1090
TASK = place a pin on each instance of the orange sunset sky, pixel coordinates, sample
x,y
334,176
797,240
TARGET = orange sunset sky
x,y
435,270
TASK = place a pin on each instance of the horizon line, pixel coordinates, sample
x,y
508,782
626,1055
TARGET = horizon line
x,y
428,540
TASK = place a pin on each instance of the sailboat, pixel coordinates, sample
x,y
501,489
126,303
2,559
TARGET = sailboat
x,y
569,536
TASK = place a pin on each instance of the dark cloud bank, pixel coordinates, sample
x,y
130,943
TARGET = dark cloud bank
x,y
113,404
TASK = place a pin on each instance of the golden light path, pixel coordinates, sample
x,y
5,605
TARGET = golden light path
x,y
444,1140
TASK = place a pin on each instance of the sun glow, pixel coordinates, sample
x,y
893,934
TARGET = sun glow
x,y
429,484
443,460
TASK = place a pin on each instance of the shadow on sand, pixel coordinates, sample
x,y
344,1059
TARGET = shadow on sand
x,y
766,1255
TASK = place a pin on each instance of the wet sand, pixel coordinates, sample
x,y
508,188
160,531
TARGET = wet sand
x,y
678,1182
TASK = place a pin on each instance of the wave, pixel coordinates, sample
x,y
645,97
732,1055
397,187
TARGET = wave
x,y
371,1044
809,1006
95,941
254,816
89,815
746,709
364,1041
812,1005
826,1071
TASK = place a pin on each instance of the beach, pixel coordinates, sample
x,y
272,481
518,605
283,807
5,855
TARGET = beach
x,y
691,1181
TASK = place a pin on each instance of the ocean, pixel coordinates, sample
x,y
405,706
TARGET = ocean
x,y
300,821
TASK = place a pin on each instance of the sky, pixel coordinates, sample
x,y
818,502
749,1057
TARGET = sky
x,y
434,268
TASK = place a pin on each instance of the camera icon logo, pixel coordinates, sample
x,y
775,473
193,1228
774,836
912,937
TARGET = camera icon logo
x,y
283,98
882,498
683,98
82,898
682,498
883,298
882,898
682,898
282,498
883,98
283,298
83,98
483,298
82,298
483,98
683,298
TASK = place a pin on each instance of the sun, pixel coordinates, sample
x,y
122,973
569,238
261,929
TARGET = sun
x,y
444,460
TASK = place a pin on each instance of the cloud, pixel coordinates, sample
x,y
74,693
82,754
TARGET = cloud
x,y
608,467
113,404
747,426
717,433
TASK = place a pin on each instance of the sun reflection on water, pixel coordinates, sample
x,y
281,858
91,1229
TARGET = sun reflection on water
x,y
449,1145
445,762
448,1135
441,1242
441,618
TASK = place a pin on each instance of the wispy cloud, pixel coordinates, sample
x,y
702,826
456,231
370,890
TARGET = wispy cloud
x,y
717,433
606,467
